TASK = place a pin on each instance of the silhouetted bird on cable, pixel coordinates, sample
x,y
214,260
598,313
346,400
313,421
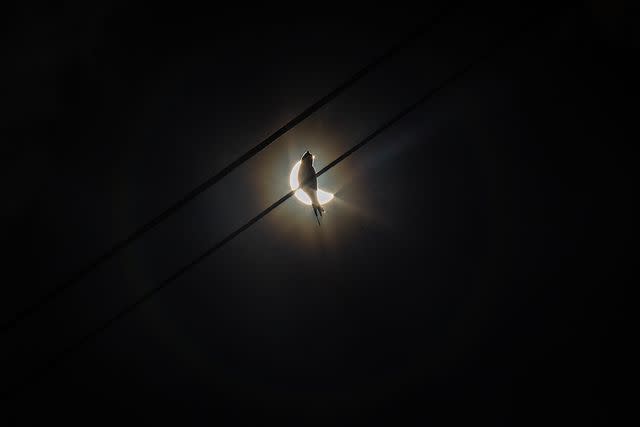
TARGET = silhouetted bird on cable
x,y
309,183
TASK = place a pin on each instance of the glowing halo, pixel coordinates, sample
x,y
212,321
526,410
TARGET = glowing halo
x,y
323,196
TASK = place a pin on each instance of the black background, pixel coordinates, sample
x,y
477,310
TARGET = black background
x,y
472,268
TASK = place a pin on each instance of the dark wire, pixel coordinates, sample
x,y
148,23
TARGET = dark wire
x,y
124,243
151,292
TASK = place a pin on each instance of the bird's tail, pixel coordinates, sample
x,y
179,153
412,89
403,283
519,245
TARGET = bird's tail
x,y
315,212
317,207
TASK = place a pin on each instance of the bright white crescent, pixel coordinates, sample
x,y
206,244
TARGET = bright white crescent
x,y
323,196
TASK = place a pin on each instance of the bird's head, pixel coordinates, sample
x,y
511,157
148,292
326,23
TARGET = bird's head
x,y
307,157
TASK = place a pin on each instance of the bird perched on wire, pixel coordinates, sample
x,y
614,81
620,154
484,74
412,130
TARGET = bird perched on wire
x,y
309,183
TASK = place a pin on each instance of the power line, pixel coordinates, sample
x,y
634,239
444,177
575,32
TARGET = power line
x,y
181,271
124,243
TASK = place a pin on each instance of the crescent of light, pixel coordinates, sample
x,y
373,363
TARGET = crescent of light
x,y
323,196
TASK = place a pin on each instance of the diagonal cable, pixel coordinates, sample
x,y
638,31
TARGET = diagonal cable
x,y
177,205
57,359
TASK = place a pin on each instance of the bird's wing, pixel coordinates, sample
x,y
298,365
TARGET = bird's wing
x,y
313,182
308,173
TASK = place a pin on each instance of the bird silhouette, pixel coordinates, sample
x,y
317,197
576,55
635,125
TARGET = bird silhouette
x,y
309,183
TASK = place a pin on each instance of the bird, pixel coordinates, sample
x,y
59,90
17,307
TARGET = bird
x,y
309,183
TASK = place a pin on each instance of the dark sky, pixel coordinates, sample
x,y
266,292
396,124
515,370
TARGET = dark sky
x,y
471,269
